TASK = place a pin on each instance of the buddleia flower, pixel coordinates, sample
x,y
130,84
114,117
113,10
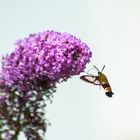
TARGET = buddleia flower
x,y
30,73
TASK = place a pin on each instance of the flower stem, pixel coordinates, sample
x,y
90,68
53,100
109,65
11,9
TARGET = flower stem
x,y
18,128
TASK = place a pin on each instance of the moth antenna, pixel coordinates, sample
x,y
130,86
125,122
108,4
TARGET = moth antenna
x,y
103,68
96,68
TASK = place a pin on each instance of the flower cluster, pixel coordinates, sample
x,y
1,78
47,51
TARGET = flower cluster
x,y
29,76
47,56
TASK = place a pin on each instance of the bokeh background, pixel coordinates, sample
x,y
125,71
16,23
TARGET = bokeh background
x,y
111,28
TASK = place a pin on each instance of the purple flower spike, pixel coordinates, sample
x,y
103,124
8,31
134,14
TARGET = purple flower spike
x,y
47,56
29,76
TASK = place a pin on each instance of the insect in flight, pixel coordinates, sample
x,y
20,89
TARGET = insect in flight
x,y
100,80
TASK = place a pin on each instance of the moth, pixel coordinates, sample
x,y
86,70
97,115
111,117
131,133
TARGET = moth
x,y
99,80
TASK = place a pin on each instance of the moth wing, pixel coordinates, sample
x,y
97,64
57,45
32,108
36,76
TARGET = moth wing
x,y
90,79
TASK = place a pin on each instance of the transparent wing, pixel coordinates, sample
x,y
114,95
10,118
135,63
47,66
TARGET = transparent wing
x,y
90,79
